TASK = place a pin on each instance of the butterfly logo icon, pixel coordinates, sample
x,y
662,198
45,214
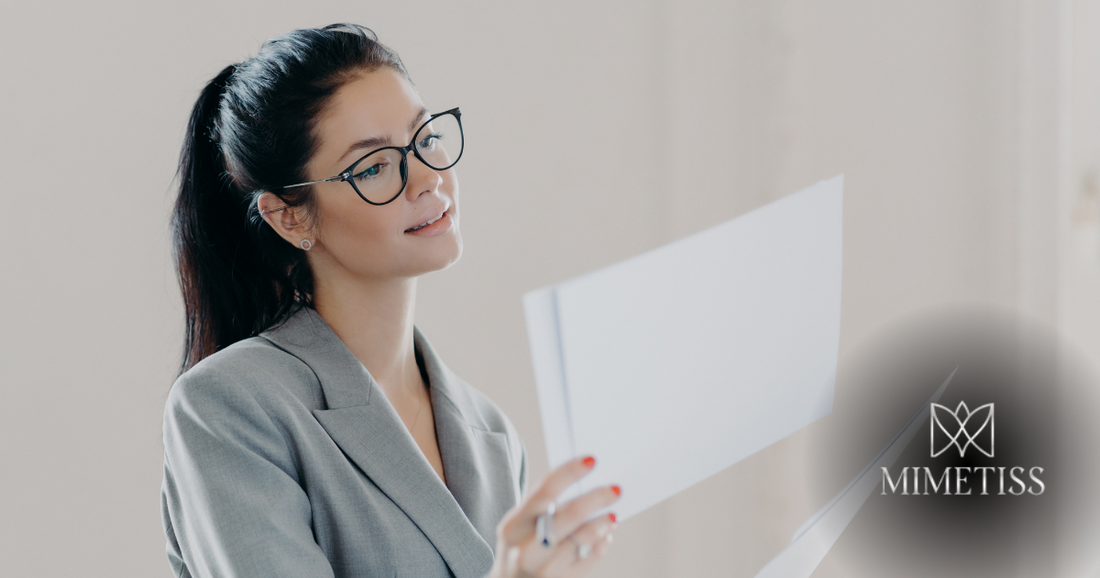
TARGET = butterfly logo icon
x,y
962,428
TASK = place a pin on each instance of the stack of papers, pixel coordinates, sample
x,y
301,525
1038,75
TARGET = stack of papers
x,y
673,365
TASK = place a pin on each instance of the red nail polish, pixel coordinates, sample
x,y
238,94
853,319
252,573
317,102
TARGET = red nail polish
x,y
589,462
618,491
612,516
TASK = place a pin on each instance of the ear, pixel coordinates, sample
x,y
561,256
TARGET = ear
x,y
287,221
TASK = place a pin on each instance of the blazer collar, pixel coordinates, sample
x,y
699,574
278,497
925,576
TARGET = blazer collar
x,y
459,519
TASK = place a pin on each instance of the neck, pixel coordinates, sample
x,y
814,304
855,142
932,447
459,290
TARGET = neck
x,y
374,319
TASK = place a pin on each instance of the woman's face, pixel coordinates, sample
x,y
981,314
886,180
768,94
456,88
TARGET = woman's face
x,y
352,238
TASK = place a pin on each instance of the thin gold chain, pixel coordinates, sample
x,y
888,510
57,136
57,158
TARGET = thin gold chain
x,y
413,428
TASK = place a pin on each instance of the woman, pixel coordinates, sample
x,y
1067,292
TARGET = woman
x,y
313,430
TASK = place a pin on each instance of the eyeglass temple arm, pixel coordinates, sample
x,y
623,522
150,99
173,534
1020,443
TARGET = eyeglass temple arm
x,y
339,177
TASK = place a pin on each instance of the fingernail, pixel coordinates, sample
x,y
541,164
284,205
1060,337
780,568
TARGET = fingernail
x,y
611,515
618,491
589,462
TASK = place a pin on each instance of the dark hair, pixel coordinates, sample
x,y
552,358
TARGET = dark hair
x,y
251,131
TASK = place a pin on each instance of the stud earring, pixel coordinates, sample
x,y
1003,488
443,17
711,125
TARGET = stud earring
x,y
306,244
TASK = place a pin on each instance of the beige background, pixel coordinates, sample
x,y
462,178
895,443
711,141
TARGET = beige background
x,y
968,131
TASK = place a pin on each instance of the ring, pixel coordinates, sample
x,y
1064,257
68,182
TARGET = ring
x,y
544,533
583,550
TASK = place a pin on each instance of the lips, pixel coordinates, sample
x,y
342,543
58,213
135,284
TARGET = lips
x,y
427,221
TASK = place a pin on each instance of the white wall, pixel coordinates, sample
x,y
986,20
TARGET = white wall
x,y
596,130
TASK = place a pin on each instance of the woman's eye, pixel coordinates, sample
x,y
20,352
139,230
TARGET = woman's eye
x,y
429,141
370,172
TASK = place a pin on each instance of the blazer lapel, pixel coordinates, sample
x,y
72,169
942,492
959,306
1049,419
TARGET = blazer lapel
x,y
361,420
475,458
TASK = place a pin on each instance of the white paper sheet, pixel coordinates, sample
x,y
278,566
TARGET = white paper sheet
x,y
675,364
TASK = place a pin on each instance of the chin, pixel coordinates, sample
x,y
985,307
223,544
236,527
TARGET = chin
x,y
456,253
445,256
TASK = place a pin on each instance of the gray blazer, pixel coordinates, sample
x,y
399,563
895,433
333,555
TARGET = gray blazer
x,y
283,457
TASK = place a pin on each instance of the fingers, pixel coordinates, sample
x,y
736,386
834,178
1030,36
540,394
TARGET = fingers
x,y
566,559
571,526
569,517
559,479
598,550
519,524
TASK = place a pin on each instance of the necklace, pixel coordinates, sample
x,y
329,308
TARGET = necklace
x,y
424,377
413,428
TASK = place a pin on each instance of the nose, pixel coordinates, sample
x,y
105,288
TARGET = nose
x,y
421,178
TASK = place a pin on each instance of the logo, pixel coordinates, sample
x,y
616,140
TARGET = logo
x,y
962,428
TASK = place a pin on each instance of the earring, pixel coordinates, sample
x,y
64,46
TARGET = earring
x,y
306,244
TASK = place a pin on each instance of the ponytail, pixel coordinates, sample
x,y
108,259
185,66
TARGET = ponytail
x,y
251,131
220,270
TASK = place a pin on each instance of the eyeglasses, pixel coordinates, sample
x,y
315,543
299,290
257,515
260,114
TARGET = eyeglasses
x,y
380,175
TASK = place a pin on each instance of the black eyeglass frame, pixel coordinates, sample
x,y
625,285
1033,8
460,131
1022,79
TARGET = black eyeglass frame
x,y
348,174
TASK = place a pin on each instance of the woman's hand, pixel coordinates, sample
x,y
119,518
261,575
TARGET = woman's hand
x,y
521,555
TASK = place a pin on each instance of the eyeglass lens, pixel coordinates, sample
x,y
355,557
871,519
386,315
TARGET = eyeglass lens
x,y
379,178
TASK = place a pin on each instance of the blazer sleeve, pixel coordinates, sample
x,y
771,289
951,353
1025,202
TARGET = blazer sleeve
x,y
232,502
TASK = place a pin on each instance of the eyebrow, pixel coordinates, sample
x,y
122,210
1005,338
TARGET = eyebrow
x,y
381,141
